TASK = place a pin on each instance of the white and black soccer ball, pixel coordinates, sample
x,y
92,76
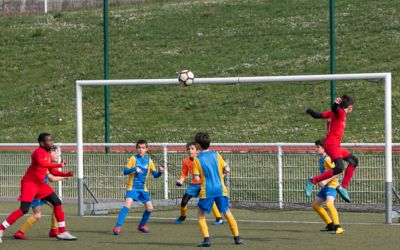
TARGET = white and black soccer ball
x,y
186,77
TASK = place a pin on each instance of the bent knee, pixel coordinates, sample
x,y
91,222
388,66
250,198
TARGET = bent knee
x,y
352,160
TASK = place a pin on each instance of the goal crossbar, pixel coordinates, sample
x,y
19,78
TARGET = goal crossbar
x,y
386,77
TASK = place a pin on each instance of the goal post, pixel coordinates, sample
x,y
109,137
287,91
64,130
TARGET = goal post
x,y
386,77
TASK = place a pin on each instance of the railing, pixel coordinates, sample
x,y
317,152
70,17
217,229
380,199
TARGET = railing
x,y
262,173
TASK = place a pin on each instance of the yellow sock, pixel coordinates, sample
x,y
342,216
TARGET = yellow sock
x,y
54,224
334,214
233,225
216,211
28,223
322,212
203,228
183,210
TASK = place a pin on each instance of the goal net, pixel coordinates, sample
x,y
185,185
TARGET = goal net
x,y
274,160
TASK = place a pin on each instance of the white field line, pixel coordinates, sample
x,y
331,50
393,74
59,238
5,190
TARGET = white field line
x,y
172,219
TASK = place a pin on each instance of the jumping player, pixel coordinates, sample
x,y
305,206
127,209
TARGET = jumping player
x,y
138,168
209,169
193,189
335,129
327,193
53,176
33,186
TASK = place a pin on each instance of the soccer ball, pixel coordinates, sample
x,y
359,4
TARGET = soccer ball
x,y
186,77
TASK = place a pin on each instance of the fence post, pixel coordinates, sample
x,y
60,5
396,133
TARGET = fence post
x,y
165,151
45,6
280,183
59,184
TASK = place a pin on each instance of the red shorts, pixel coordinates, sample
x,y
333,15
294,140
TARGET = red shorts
x,y
336,152
30,190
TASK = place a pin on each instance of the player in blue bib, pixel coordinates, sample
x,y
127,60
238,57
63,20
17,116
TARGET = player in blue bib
x,y
138,169
209,168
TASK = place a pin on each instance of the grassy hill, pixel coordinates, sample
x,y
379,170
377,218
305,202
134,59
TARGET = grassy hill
x,y
42,56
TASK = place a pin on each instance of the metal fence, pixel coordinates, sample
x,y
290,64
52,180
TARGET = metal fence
x,y
15,7
261,175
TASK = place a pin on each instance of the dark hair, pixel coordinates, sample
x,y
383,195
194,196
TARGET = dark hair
x,y
42,137
53,149
319,143
192,143
141,142
203,139
346,101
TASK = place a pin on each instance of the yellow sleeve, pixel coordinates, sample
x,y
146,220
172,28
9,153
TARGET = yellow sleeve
x,y
221,163
196,167
328,163
151,166
131,162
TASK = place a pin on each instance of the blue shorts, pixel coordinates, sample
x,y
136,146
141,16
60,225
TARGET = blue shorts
x,y
193,190
206,204
327,191
37,203
138,195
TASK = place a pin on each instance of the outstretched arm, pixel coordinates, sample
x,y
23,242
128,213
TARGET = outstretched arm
x,y
55,172
53,178
324,182
314,114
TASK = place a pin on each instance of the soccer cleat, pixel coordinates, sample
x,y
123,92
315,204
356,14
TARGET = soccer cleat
x,y
66,236
53,233
19,235
238,240
117,230
144,229
343,193
309,188
329,228
180,220
206,242
338,230
218,221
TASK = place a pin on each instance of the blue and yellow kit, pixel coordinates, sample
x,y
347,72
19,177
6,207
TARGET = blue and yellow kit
x,y
209,165
325,163
137,181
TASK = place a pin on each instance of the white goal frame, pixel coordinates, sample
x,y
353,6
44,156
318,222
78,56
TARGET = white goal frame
x,y
387,77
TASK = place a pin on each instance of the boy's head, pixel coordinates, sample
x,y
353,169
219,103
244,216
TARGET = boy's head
x,y
347,103
141,147
202,139
45,141
319,147
54,154
191,149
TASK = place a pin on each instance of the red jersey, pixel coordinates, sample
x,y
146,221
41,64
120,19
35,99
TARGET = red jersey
x,y
335,126
187,167
40,163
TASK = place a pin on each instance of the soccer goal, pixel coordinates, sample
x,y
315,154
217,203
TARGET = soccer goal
x,y
386,77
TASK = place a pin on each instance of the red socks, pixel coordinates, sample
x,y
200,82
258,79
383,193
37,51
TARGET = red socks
x,y
11,219
326,175
58,212
348,175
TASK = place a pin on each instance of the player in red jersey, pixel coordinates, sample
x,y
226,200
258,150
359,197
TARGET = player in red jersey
x,y
336,125
33,186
